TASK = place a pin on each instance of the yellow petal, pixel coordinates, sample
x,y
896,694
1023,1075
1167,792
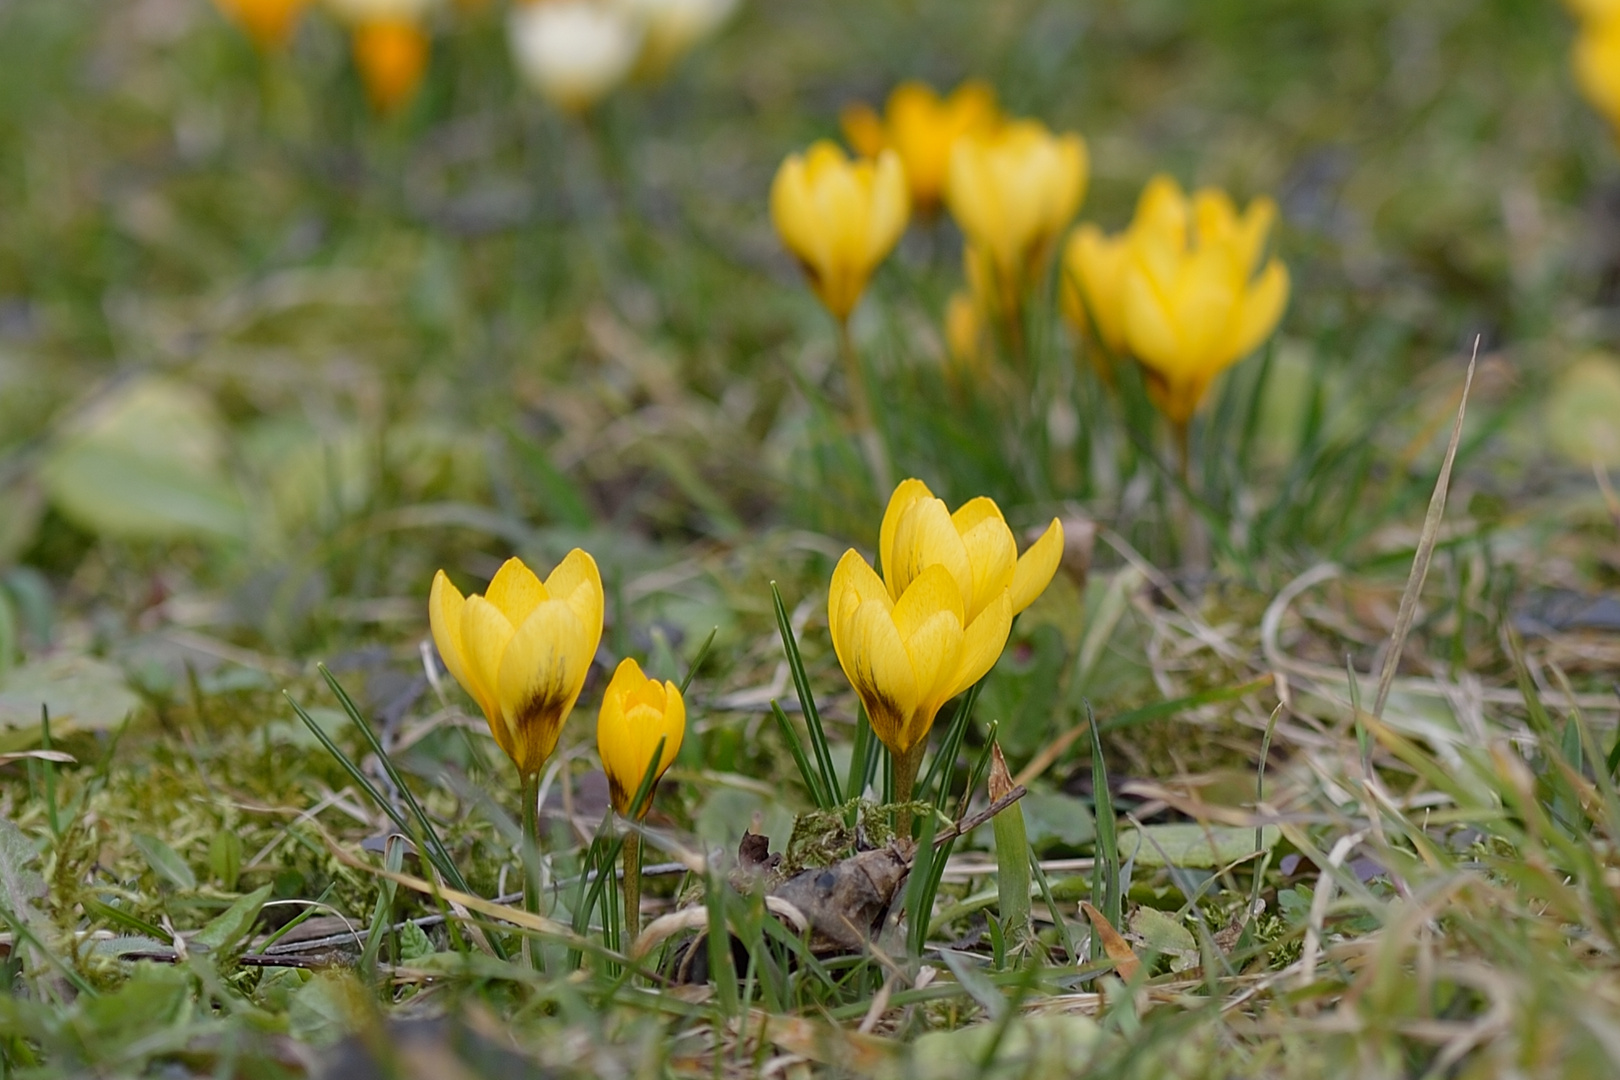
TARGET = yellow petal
x,y
923,537
485,634
1036,567
392,56
516,591
1260,310
930,592
879,668
1150,334
540,677
982,643
905,493
889,207
863,129
444,618
577,581
853,583
991,551
935,651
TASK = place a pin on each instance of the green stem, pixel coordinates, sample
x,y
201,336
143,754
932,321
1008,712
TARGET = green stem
x,y
531,857
632,887
860,404
906,766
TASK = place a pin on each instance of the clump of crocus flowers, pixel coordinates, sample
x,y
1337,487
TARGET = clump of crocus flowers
x,y
937,619
522,649
1186,290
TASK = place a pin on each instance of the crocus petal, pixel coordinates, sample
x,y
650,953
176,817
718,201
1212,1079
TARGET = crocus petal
x,y
991,550
879,668
982,644
444,617
540,677
485,634
905,493
516,591
926,536
1261,308
1036,567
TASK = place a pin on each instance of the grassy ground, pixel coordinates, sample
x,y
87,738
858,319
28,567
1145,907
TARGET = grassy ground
x,y
266,363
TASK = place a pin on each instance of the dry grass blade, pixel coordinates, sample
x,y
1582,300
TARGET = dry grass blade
x,y
1126,964
1425,548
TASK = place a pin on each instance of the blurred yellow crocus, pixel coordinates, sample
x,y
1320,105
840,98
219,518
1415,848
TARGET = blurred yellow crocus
x,y
269,23
1094,265
967,360
522,649
391,46
839,218
1012,192
923,129
574,52
1597,63
974,545
1193,302
636,713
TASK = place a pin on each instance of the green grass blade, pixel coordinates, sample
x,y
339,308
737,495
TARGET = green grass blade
x,y
807,701
1105,873
442,860
697,661
812,780
382,916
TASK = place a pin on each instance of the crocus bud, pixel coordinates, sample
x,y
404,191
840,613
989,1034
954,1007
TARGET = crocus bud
x,y
636,713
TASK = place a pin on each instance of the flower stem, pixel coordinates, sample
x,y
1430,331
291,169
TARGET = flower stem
x,y
531,857
860,404
632,887
906,765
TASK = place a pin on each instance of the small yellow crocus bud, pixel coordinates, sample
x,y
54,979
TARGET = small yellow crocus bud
x,y
574,52
840,218
1597,64
391,56
974,545
906,658
269,23
636,713
1013,192
1192,303
522,649
923,129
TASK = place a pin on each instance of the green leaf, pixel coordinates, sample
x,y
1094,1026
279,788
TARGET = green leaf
x,y
20,885
1192,845
146,463
233,925
1162,934
164,862
83,693
328,1007
414,944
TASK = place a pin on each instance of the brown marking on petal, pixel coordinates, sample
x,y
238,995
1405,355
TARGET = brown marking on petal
x,y
537,721
619,796
884,712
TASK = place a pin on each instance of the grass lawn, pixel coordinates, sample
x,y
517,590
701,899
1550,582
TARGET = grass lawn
x,y
1305,761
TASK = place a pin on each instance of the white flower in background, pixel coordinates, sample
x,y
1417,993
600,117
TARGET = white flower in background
x,y
574,51
673,27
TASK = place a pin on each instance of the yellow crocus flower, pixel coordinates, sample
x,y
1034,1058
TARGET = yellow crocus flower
x,y
974,545
270,23
1597,64
636,713
923,128
522,649
1192,304
1013,192
906,658
1094,264
391,56
840,218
